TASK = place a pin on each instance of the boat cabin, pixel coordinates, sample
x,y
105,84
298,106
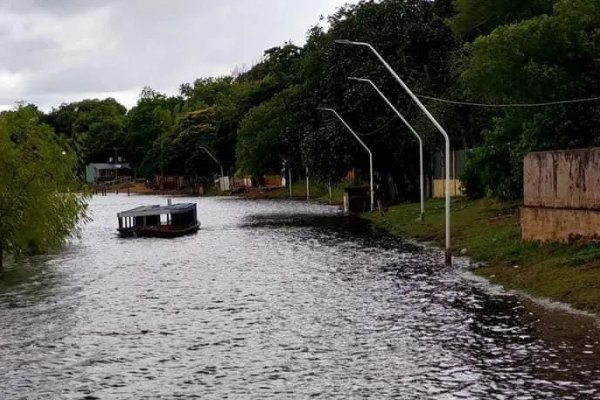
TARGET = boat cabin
x,y
159,221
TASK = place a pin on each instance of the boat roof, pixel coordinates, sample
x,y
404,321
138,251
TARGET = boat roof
x,y
157,210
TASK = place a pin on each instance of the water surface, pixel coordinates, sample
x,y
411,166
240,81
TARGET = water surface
x,y
275,300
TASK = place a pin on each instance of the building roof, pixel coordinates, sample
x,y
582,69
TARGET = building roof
x,y
157,210
110,166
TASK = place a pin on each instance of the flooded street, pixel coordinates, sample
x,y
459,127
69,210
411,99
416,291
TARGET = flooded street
x,y
275,300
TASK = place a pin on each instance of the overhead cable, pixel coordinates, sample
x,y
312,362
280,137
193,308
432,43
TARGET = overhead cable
x,y
550,103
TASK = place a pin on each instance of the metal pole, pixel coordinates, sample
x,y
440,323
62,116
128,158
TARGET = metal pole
x,y
213,157
414,132
307,186
161,184
290,179
363,145
435,123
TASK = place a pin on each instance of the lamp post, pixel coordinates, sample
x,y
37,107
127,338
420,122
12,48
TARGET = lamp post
x,y
363,145
307,186
435,123
288,166
214,158
409,126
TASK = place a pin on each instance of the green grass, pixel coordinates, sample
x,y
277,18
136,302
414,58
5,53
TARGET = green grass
x,y
490,232
318,193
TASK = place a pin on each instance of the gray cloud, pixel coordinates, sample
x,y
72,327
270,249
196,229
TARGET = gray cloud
x,y
64,50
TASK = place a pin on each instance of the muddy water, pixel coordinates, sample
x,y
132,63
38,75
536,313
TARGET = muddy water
x,y
275,300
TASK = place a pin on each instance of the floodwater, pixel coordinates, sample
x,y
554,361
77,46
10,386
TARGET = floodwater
x,y
275,300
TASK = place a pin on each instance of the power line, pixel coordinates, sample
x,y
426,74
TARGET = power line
x,y
551,103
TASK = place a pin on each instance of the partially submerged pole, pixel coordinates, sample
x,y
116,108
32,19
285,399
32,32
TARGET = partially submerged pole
x,y
435,123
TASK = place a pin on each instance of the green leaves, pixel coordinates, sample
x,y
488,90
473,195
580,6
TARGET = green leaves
x,y
542,59
38,206
480,17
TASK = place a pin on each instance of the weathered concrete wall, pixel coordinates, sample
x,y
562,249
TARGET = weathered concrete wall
x,y
560,225
563,179
561,196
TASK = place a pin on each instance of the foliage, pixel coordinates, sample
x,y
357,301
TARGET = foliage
x,y
185,153
38,208
546,58
504,51
94,127
263,133
480,17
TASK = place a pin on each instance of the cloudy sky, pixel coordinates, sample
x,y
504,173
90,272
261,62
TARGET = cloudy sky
x,y
54,51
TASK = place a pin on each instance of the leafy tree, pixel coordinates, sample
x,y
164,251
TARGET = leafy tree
x,y
149,124
38,208
94,127
546,58
260,145
414,38
186,153
479,17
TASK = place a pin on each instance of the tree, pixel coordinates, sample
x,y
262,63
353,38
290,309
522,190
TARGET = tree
x,y
149,123
185,152
94,127
480,17
38,206
543,59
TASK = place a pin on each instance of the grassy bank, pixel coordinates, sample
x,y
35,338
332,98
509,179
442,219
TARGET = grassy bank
x,y
318,193
490,232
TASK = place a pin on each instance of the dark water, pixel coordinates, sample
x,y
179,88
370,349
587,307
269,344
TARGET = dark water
x,y
275,300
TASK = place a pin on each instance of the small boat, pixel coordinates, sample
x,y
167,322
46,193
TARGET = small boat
x,y
168,221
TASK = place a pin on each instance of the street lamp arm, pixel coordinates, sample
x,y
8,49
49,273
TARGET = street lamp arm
x,y
363,145
414,132
389,103
401,82
213,157
348,127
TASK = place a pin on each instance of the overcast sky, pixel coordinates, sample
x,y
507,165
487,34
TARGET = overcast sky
x,y
55,51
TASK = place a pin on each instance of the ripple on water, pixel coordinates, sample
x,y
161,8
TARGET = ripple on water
x,y
274,300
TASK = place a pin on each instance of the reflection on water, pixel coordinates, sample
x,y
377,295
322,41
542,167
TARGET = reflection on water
x,y
275,300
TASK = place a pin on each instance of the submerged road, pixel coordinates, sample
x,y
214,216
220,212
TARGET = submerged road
x,y
275,300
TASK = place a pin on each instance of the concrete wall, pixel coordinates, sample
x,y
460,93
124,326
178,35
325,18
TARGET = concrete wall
x,y
561,196
563,179
439,188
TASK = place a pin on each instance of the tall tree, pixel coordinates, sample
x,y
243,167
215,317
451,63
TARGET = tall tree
x,y
543,59
38,206
95,127
480,17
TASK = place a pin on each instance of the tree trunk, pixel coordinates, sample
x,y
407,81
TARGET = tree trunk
x,y
1,254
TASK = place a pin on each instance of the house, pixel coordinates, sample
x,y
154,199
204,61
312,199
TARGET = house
x,y
103,172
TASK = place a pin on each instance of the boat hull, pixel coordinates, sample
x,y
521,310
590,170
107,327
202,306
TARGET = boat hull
x,y
165,232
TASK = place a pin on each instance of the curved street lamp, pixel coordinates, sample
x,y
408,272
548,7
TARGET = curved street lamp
x,y
213,157
363,145
435,123
409,126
